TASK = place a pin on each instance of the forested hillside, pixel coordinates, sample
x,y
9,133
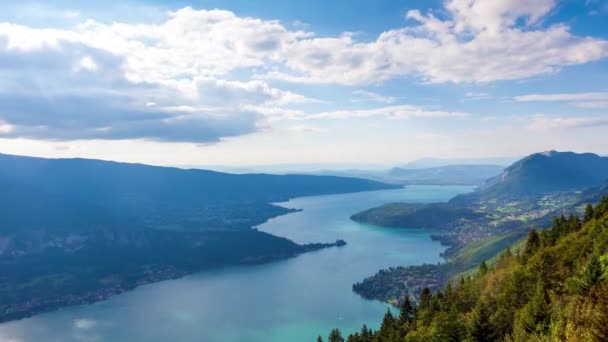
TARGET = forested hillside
x,y
76,231
554,288
542,173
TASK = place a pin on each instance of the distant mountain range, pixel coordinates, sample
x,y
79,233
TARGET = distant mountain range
x,y
426,163
449,175
441,175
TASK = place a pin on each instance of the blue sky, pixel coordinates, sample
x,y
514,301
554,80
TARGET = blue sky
x,y
272,82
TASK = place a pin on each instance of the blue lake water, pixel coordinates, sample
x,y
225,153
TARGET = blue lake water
x,y
288,301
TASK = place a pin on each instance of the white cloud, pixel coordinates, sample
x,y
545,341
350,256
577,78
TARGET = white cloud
x,y
392,112
590,100
306,129
86,63
84,324
55,87
496,16
477,96
364,95
544,123
5,128
592,104
214,91
478,41
593,96
207,72
404,111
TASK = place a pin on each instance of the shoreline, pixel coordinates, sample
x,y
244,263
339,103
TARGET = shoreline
x,y
147,277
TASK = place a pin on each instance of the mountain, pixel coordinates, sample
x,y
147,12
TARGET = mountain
x,y
476,226
426,163
442,175
448,175
75,231
543,173
553,286
171,197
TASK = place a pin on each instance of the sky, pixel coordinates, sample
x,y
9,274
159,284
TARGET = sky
x,y
322,82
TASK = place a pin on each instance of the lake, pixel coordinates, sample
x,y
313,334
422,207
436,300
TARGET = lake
x,y
288,301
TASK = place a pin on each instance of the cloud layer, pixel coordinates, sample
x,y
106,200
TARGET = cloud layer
x,y
202,75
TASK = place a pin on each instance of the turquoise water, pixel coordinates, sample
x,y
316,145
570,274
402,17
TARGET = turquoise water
x,y
287,301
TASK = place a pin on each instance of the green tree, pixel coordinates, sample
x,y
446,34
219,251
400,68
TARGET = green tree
x,y
535,315
388,329
405,311
589,214
593,272
532,244
481,328
319,339
366,334
425,299
335,336
483,268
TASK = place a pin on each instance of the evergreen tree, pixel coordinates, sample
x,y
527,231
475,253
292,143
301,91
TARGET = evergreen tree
x,y
532,244
319,339
589,214
425,299
481,328
483,268
366,334
535,315
388,329
335,336
405,311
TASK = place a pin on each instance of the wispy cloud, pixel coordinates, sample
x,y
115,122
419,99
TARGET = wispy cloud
x,y
544,123
592,96
591,100
477,96
364,95
592,104
84,324
306,129
391,112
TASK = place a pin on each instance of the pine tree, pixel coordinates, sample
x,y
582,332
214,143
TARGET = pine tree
x,y
335,336
388,321
366,334
388,329
319,339
425,299
405,311
589,214
532,244
483,268
535,315
481,328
